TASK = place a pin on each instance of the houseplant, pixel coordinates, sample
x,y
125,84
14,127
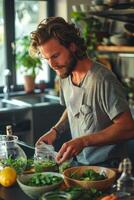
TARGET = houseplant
x,y
89,27
28,66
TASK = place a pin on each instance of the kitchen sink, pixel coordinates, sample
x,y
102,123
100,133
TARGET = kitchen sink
x,y
6,104
27,100
33,99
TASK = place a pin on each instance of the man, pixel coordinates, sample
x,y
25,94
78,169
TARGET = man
x,y
96,109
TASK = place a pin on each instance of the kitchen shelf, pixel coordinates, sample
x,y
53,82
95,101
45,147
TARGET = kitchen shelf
x,y
125,15
116,49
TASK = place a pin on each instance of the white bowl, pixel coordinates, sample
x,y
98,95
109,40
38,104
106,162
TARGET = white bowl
x,y
119,39
36,191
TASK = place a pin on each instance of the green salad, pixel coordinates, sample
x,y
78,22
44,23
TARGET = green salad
x,y
43,179
88,175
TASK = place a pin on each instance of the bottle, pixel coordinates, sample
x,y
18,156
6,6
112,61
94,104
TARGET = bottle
x,y
9,130
125,183
6,89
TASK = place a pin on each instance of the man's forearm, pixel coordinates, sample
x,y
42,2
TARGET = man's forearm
x,y
63,124
122,129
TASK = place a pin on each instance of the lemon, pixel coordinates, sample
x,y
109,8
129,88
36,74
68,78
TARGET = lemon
x,y
7,176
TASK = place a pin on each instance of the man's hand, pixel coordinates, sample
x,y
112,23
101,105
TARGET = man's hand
x,y
70,149
48,137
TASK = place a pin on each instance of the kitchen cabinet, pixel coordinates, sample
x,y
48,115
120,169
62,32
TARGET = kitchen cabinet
x,y
20,119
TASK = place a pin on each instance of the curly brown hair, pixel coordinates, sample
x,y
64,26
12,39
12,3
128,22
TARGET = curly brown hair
x,y
58,28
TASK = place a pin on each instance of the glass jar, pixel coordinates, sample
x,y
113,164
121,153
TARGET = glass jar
x,y
58,195
44,158
11,153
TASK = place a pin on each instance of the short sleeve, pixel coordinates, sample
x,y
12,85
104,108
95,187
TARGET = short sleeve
x,y
113,96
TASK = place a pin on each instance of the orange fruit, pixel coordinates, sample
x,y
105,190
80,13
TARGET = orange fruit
x,y
110,197
7,176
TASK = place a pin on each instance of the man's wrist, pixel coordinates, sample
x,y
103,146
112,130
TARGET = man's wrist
x,y
58,134
85,141
55,129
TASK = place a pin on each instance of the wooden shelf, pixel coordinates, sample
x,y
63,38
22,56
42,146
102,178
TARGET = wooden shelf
x,y
117,49
125,15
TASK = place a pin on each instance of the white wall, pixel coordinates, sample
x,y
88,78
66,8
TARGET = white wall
x,y
63,8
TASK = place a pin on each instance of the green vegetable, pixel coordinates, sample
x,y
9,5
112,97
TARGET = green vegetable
x,y
78,193
64,166
30,163
88,175
42,165
18,164
43,179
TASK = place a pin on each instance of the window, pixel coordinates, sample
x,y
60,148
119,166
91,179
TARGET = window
x,y
19,18
27,15
2,44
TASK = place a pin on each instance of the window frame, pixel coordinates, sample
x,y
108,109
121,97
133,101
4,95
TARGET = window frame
x,y
9,30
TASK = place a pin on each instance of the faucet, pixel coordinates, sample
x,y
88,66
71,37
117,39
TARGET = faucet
x,y
6,89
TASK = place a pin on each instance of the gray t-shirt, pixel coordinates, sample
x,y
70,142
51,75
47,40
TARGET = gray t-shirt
x,y
91,107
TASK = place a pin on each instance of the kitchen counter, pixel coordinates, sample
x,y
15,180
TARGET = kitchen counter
x,y
12,193
22,100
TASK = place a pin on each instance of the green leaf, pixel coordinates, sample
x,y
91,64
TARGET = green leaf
x,y
23,58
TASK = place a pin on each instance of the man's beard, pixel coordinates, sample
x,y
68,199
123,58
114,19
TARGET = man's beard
x,y
70,67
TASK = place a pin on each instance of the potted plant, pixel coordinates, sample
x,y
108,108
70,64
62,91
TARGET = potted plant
x,y
28,65
90,27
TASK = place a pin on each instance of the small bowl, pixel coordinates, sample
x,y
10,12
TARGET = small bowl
x,y
100,185
36,191
119,39
56,195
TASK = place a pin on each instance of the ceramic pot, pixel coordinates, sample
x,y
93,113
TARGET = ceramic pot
x,y
29,84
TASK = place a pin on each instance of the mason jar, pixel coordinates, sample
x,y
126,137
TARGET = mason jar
x,y
44,159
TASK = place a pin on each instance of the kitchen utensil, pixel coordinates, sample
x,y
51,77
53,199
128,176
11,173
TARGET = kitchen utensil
x,y
25,144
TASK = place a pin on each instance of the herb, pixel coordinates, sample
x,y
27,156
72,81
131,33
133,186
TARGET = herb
x,y
43,179
18,164
78,193
40,166
88,175
30,163
64,166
